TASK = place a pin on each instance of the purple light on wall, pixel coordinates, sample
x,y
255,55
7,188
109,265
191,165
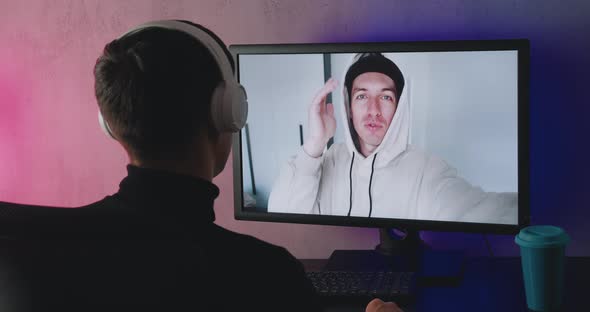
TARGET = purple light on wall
x,y
559,78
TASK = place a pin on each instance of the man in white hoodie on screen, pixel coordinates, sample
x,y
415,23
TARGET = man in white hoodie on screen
x,y
376,172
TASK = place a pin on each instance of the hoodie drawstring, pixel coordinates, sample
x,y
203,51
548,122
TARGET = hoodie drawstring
x,y
371,181
350,180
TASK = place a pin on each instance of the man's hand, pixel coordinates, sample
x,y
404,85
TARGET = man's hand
x,y
322,124
377,305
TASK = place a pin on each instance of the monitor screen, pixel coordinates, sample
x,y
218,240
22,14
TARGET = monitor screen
x,y
425,135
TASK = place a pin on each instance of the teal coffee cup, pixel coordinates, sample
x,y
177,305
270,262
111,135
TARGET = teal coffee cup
x,y
542,252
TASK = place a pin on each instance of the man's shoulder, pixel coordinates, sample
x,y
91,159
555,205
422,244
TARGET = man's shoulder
x,y
251,247
338,152
268,269
338,148
24,220
17,210
427,162
418,154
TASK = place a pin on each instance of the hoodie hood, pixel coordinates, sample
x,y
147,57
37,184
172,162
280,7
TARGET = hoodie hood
x,y
396,138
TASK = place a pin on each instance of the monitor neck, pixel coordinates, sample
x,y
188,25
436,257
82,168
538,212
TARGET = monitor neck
x,y
399,242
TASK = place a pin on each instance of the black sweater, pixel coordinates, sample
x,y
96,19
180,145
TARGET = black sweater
x,y
152,245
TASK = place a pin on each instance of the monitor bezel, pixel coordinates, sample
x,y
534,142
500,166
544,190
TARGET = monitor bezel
x,y
522,46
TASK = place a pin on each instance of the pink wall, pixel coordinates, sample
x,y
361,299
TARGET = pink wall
x,y
53,153
51,149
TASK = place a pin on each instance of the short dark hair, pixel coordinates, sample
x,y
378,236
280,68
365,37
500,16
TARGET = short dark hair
x,y
154,87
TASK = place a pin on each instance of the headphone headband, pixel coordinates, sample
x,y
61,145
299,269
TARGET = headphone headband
x,y
199,34
229,105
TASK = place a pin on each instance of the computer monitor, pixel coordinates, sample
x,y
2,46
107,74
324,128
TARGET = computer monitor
x,y
428,135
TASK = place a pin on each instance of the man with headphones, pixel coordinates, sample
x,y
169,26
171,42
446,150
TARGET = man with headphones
x,y
166,92
173,106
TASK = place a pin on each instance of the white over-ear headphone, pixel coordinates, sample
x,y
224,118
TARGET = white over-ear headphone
x,y
229,105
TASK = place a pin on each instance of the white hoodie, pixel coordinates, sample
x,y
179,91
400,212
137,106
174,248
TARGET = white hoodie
x,y
397,180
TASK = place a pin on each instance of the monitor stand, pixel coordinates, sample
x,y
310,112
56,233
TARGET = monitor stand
x,y
403,251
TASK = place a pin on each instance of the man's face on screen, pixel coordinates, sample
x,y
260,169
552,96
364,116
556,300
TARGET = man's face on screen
x,y
372,106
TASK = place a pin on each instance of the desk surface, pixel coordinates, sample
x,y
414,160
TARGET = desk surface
x,y
489,284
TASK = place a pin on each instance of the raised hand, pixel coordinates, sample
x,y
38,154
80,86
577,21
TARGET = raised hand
x,y
321,121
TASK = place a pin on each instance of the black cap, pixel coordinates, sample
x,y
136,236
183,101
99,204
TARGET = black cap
x,y
375,62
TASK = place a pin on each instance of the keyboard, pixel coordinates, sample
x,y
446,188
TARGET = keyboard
x,y
363,286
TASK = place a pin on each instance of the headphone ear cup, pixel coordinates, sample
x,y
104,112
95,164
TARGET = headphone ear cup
x,y
216,107
229,107
240,108
105,126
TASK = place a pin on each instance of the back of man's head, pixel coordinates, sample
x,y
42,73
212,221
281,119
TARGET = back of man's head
x,y
154,87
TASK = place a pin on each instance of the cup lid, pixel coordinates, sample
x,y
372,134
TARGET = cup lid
x,y
542,236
